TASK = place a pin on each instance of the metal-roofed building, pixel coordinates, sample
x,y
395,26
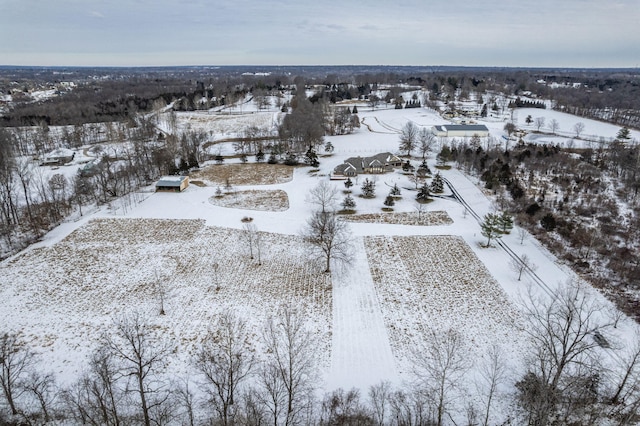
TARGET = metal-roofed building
x,y
461,130
172,183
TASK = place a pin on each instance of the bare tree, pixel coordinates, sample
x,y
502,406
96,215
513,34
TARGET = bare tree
x,y
379,396
561,329
440,365
539,122
578,128
141,357
554,126
522,234
95,398
42,388
186,398
225,361
16,362
522,264
324,195
329,237
290,370
493,373
409,137
427,141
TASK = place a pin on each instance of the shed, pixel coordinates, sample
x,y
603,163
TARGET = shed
x,y
172,183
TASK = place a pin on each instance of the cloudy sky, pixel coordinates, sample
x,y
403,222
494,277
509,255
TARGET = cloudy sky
x,y
540,33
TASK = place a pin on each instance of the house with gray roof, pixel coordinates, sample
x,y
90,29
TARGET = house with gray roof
x,y
377,164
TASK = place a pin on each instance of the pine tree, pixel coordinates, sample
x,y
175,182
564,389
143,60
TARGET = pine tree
x,y
348,184
311,158
368,189
623,134
348,203
423,194
395,191
260,156
505,222
389,201
437,184
490,227
355,110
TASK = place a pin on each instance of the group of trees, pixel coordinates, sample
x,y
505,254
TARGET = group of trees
x,y
31,203
567,198
238,375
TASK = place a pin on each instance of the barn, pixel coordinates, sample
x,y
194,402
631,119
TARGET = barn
x,y
172,183
461,130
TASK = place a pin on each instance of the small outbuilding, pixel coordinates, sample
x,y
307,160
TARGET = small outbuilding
x,y
172,184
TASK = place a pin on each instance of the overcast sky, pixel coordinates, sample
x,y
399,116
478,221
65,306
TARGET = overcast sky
x,y
540,33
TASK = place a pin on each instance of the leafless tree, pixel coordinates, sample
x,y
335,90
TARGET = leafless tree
x,y
141,358
427,141
539,122
554,126
522,264
409,137
16,363
379,396
329,238
42,388
340,407
440,365
224,362
289,373
578,128
561,329
493,373
324,195
522,234
96,398
186,398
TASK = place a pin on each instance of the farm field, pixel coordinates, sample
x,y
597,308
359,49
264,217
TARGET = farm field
x,y
111,267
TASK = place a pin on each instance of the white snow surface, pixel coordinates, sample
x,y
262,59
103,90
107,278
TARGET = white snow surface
x,y
365,323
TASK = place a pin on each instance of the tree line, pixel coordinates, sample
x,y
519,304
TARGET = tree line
x,y
129,376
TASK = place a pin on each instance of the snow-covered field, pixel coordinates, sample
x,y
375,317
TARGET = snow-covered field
x,y
62,293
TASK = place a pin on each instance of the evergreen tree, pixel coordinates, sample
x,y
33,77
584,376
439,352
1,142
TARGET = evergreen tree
x,y
311,158
389,201
623,134
368,188
348,203
423,194
260,156
505,222
348,184
437,184
328,147
395,191
272,159
355,110
490,227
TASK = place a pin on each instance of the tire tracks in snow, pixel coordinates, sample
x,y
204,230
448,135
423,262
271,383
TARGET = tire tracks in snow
x,y
361,353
